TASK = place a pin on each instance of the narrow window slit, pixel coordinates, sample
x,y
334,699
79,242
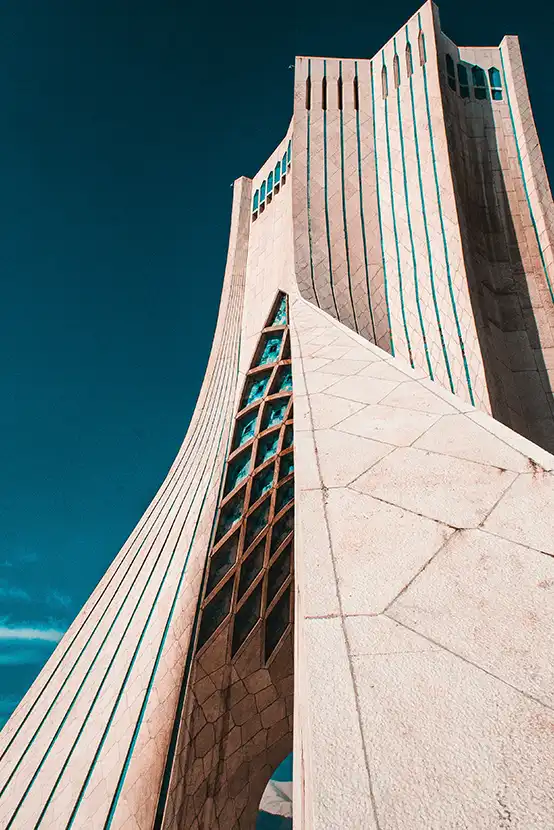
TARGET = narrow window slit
x,y
308,93
356,94
396,71
324,94
339,92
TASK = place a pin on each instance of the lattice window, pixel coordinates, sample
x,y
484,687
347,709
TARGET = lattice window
x,y
250,568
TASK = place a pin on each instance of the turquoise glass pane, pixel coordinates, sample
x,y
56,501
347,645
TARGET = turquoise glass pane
x,y
255,389
271,349
496,94
478,76
284,380
409,62
422,48
280,318
285,494
274,413
222,561
277,172
246,429
284,165
287,441
262,483
287,465
267,447
257,522
238,470
462,74
256,201
230,514
282,529
480,93
494,77
262,192
270,183
289,152
449,65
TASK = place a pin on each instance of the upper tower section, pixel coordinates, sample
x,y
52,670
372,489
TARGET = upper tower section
x,y
423,217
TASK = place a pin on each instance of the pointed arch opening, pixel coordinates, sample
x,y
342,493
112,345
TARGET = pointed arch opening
x,y
396,71
409,61
384,83
421,48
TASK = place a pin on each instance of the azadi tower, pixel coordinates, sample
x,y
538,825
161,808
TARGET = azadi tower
x,y
352,555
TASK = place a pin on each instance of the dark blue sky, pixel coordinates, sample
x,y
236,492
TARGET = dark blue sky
x,y
123,125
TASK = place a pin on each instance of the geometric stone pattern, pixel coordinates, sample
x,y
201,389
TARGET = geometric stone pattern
x,y
411,232
235,724
425,588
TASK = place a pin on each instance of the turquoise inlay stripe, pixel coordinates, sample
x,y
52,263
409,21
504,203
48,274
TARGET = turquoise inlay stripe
x,y
524,179
99,650
84,680
343,189
139,643
325,183
377,188
308,187
162,642
443,232
427,239
410,230
128,757
361,192
204,423
173,482
395,231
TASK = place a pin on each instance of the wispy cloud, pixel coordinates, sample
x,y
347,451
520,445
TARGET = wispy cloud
x,y
30,632
58,600
13,592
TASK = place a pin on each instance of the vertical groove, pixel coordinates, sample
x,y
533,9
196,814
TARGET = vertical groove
x,y
427,240
360,189
327,227
524,180
443,232
395,231
122,601
308,190
410,230
377,188
345,224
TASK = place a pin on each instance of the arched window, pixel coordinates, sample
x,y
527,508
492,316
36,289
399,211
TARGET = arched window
x,y
284,165
421,48
324,93
356,93
289,151
384,82
308,92
464,80
451,72
256,202
479,83
496,83
270,183
339,92
277,173
262,192
396,71
409,62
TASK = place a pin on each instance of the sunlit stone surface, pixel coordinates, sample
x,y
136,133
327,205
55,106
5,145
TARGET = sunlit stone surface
x,y
352,554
